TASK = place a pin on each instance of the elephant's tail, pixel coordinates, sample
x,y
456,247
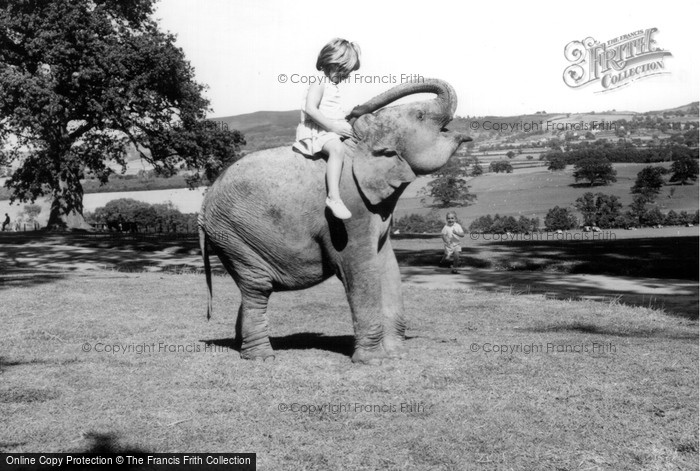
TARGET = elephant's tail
x,y
204,247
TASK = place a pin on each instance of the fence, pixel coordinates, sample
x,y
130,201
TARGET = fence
x,y
22,227
131,231
132,227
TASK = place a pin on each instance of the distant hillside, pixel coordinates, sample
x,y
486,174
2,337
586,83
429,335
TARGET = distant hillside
x,y
266,129
690,107
245,122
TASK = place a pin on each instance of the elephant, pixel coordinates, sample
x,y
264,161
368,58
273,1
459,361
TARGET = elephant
x,y
265,218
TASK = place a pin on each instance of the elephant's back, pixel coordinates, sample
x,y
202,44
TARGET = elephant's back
x,y
272,166
277,187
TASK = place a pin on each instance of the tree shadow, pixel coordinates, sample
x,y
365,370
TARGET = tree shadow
x,y
5,363
100,445
28,259
614,331
575,253
602,254
587,185
432,257
660,273
414,236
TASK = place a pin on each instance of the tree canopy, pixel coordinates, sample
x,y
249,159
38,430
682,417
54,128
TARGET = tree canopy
x,y
599,209
449,187
684,169
595,170
649,181
556,164
82,79
501,166
560,219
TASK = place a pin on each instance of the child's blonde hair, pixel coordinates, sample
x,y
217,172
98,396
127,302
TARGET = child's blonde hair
x,y
452,213
340,52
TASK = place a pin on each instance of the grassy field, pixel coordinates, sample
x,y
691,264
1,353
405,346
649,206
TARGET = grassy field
x,y
533,192
493,381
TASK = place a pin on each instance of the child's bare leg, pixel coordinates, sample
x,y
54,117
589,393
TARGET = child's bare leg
x,y
335,150
455,260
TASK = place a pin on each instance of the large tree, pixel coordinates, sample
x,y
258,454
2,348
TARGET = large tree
x,y
684,169
595,170
649,182
80,80
449,187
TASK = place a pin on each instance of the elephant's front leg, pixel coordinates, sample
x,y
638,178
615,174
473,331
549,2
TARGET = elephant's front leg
x,y
372,284
392,304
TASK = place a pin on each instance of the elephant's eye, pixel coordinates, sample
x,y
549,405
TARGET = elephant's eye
x,y
419,115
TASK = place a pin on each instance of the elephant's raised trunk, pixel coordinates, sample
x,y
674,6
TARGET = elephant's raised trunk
x,y
446,98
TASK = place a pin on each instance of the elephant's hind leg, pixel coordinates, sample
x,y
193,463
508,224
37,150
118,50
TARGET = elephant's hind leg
x,y
252,327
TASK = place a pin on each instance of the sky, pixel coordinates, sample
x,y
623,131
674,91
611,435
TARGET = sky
x,y
503,58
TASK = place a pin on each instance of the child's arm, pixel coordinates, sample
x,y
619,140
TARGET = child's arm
x,y
313,99
458,231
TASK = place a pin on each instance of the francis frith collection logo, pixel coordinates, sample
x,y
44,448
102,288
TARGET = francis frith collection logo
x,y
614,63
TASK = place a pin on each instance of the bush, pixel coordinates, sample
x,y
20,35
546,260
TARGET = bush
x,y
653,217
624,220
672,219
560,219
159,216
686,218
501,224
501,166
31,212
599,209
419,223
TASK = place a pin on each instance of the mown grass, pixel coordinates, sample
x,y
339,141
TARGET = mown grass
x,y
631,404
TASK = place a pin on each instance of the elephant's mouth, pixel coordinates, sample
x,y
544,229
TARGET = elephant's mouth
x,y
455,135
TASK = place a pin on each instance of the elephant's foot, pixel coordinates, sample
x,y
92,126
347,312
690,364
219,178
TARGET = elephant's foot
x,y
258,353
265,358
395,348
369,356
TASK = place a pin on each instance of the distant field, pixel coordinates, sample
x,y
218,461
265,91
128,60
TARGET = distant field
x,y
533,192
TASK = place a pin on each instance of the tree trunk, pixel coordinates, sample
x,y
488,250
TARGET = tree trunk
x,y
67,209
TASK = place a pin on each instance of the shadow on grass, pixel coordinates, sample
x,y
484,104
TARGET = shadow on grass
x,y
615,332
663,257
660,273
35,258
105,443
5,363
341,344
100,444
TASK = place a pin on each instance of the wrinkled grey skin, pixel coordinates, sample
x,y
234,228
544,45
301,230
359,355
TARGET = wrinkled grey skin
x,y
265,218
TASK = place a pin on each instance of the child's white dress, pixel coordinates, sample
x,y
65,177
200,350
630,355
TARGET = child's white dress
x,y
451,241
310,136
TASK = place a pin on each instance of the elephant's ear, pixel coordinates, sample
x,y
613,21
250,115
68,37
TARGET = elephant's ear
x,y
377,165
